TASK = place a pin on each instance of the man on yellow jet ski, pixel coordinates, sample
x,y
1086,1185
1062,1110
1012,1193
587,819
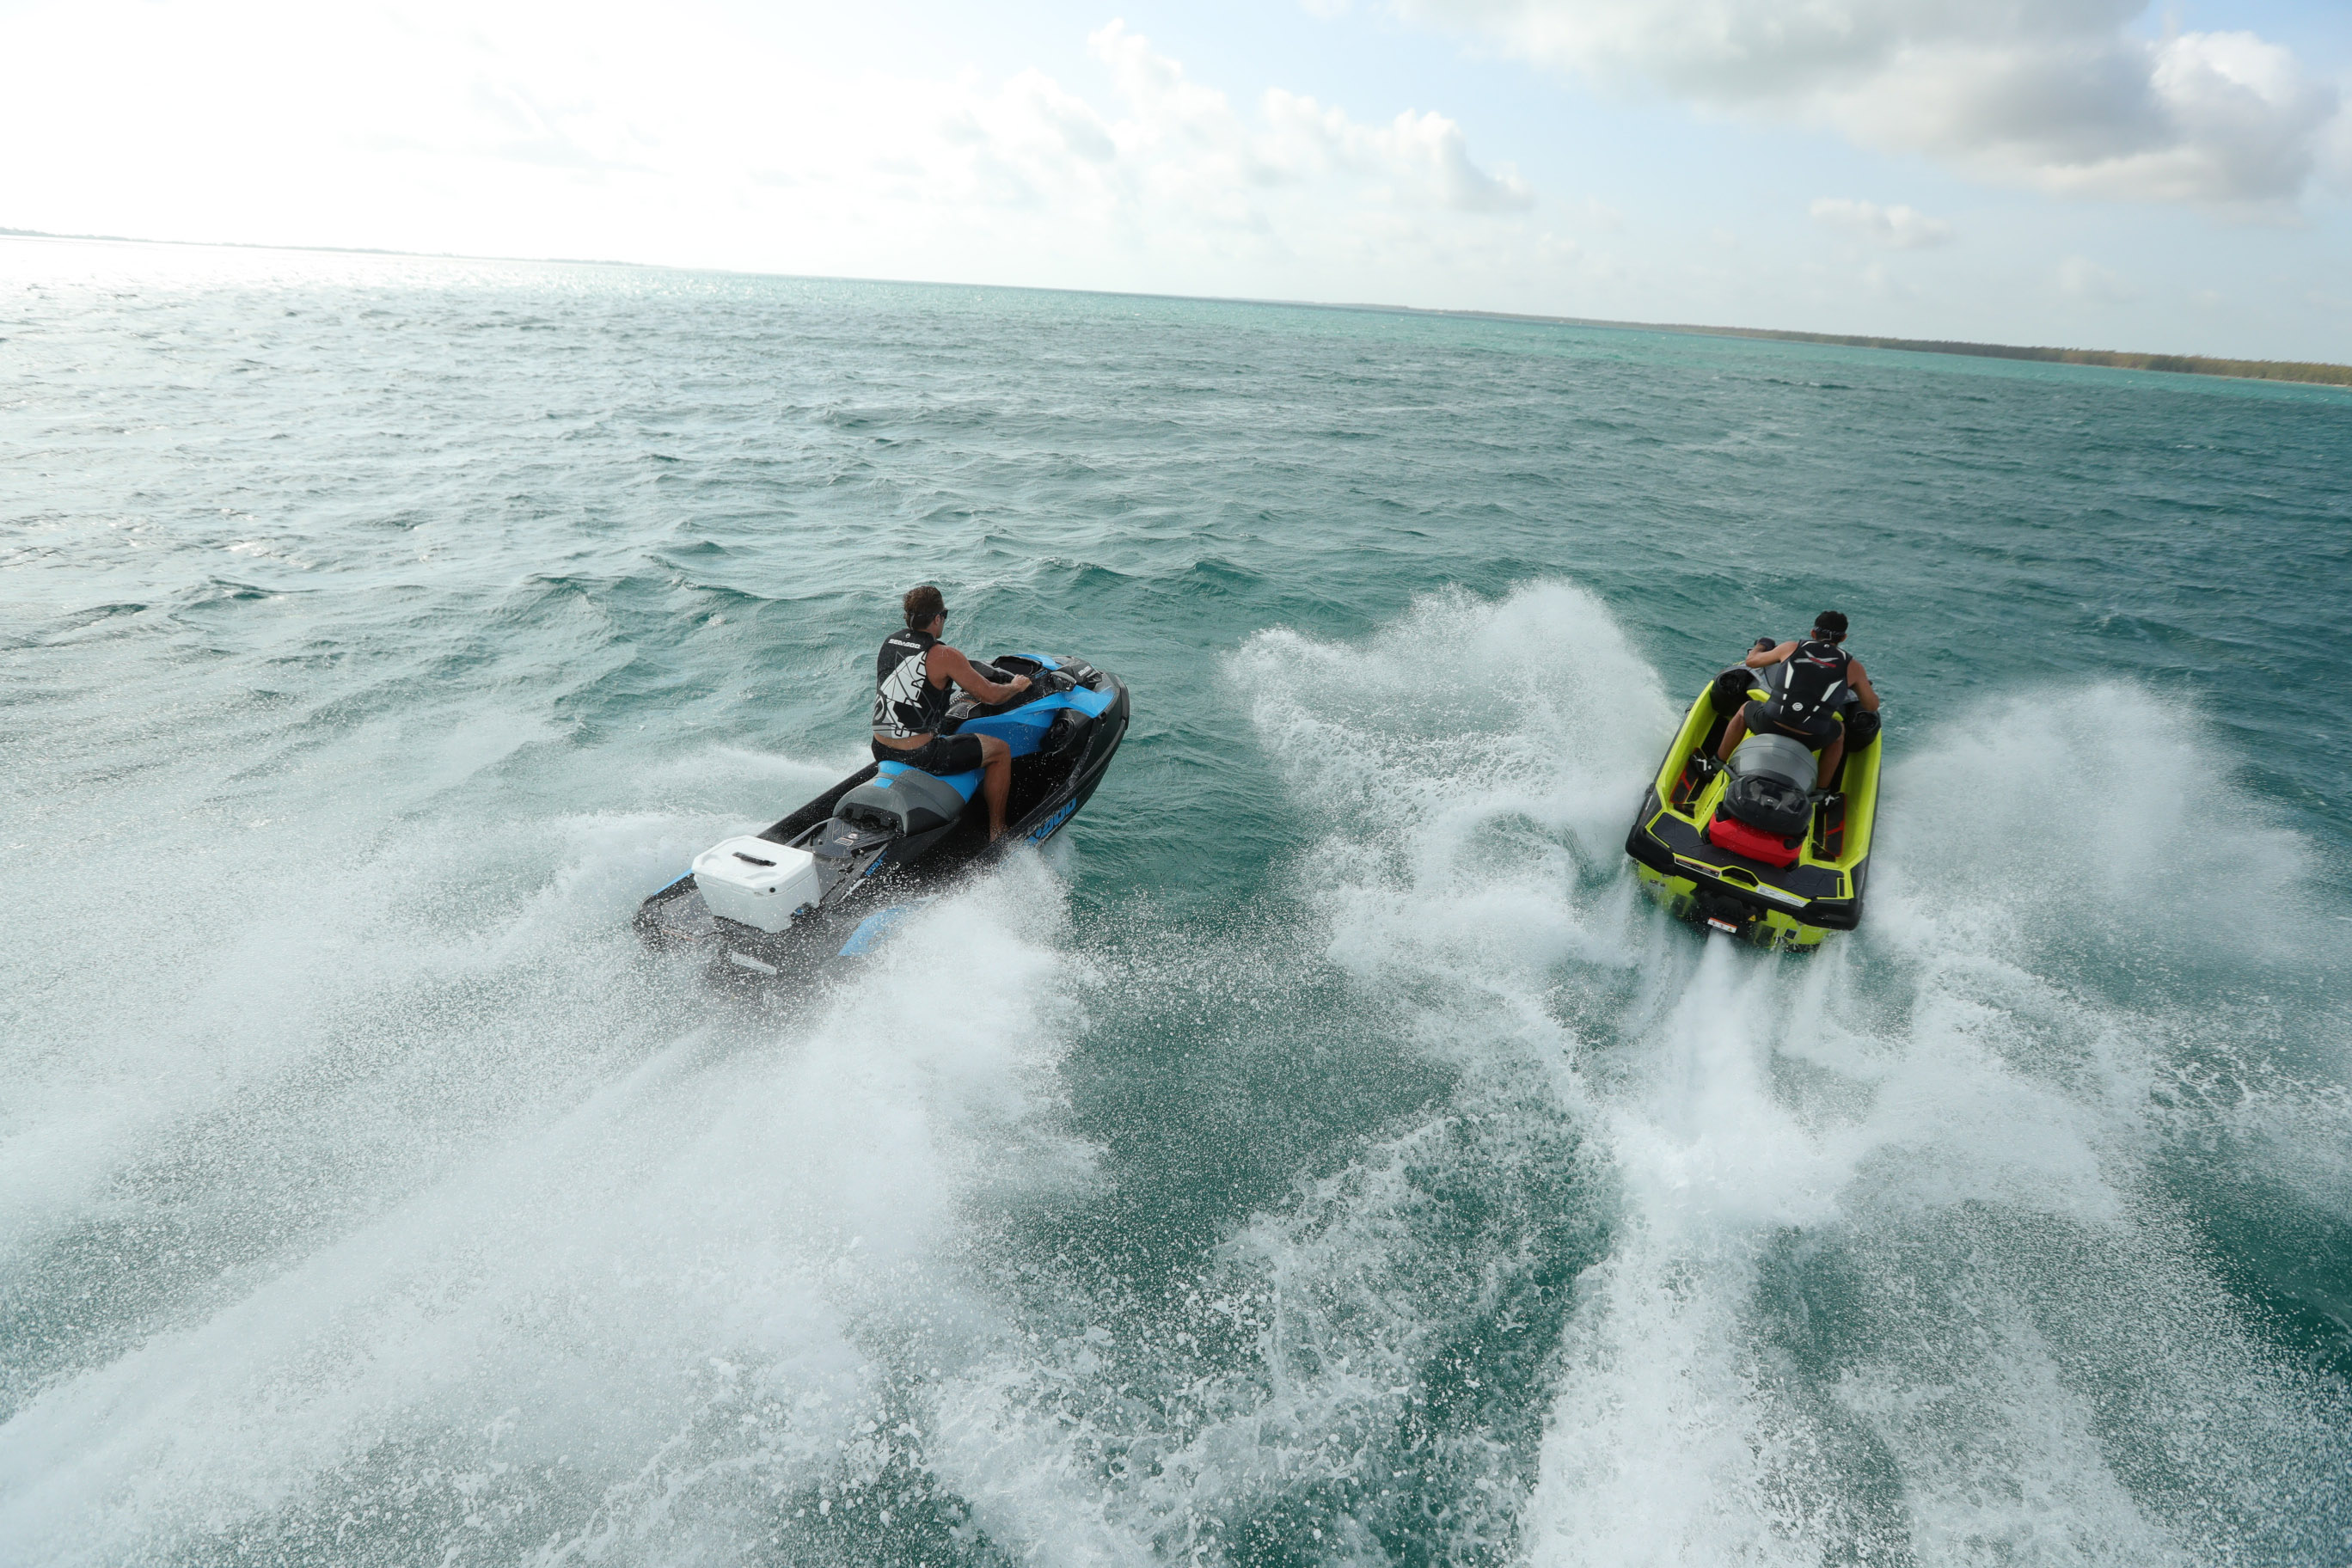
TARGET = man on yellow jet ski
x,y
1805,703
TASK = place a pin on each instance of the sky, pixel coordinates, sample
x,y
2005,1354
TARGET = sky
x,y
2085,172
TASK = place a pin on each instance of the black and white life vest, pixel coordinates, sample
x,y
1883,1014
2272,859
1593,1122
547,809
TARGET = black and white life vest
x,y
1813,681
906,703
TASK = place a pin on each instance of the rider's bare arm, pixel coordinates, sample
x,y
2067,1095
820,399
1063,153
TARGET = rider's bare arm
x,y
1862,686
1763,656
945,661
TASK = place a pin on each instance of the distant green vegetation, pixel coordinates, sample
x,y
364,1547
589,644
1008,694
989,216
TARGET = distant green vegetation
x,y
2184,364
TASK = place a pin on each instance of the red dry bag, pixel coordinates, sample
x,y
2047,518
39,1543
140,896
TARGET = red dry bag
x,y
1740,838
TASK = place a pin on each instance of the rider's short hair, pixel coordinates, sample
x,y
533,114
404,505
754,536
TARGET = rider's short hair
x,y
923,605
1831,624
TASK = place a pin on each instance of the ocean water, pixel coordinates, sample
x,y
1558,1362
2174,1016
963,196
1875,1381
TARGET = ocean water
x,y
1320,1154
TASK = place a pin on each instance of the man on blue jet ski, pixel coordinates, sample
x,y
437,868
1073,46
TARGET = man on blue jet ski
x,y
1805,705
911,676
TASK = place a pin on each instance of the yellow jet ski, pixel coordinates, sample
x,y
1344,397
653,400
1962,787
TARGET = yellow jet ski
x,y
1749,848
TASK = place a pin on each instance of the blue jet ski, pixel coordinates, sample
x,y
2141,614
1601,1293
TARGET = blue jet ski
x,y
830,880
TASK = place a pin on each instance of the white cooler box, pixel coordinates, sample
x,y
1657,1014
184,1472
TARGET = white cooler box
x,y
756,882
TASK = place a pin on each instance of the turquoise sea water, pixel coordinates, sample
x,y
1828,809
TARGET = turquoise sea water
x,y
1320,1154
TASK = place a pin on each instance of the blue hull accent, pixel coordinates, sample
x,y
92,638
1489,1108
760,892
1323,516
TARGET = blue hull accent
x,y
875,928
962,784
1051,825
1025,727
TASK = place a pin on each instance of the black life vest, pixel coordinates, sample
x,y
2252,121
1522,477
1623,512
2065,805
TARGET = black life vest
x,y
1814,678
906,703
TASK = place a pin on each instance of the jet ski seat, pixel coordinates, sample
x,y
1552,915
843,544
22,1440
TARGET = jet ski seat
x,y
1771,784
904,800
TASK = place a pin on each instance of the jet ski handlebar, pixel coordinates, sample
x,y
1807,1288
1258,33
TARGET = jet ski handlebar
x,y
1042,683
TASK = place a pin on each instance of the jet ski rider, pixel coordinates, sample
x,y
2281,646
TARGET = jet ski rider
x,y
1806,706
910,697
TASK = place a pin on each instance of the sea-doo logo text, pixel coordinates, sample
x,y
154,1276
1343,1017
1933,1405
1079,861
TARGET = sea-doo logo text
x,y
1052,822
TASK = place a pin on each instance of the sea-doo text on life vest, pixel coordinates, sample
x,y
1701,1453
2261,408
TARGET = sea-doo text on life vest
x,y
1816,678
906,703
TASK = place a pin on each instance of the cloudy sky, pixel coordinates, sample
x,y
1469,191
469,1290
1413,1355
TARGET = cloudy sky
x,y
2083,172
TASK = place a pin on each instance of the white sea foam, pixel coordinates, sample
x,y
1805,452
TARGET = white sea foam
x,y
1316,1391
1937,1136
1689,1255
316,945
1882,1257
588,1328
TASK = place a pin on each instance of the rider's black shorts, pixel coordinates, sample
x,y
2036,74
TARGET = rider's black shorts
x,y
1816,735
941,755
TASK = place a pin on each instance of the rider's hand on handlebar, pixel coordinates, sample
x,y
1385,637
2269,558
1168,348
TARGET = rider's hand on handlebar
x,y
1020,684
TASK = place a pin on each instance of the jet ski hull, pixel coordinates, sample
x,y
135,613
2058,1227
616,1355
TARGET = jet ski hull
x,y
1699,880
1063,742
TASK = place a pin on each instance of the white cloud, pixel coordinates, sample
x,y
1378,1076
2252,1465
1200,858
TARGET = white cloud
x,y
1905,229
2054,93
2080,278
1422,157
2336,153
822,140
530,127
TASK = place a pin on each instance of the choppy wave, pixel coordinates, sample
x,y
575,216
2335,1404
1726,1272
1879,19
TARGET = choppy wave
x,y
1683,1255
614,1303
1323,1155
1877,1254
1902,1269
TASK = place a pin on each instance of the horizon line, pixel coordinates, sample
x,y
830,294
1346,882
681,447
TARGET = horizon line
x,y
2318,373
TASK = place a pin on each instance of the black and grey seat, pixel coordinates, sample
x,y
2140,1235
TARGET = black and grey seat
x,y
909,801
1771,784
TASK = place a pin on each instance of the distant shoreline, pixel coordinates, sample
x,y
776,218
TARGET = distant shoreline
x,y
2313,373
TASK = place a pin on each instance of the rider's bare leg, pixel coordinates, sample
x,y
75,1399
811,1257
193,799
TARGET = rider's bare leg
x,y
1733,736
1830,755
996,784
